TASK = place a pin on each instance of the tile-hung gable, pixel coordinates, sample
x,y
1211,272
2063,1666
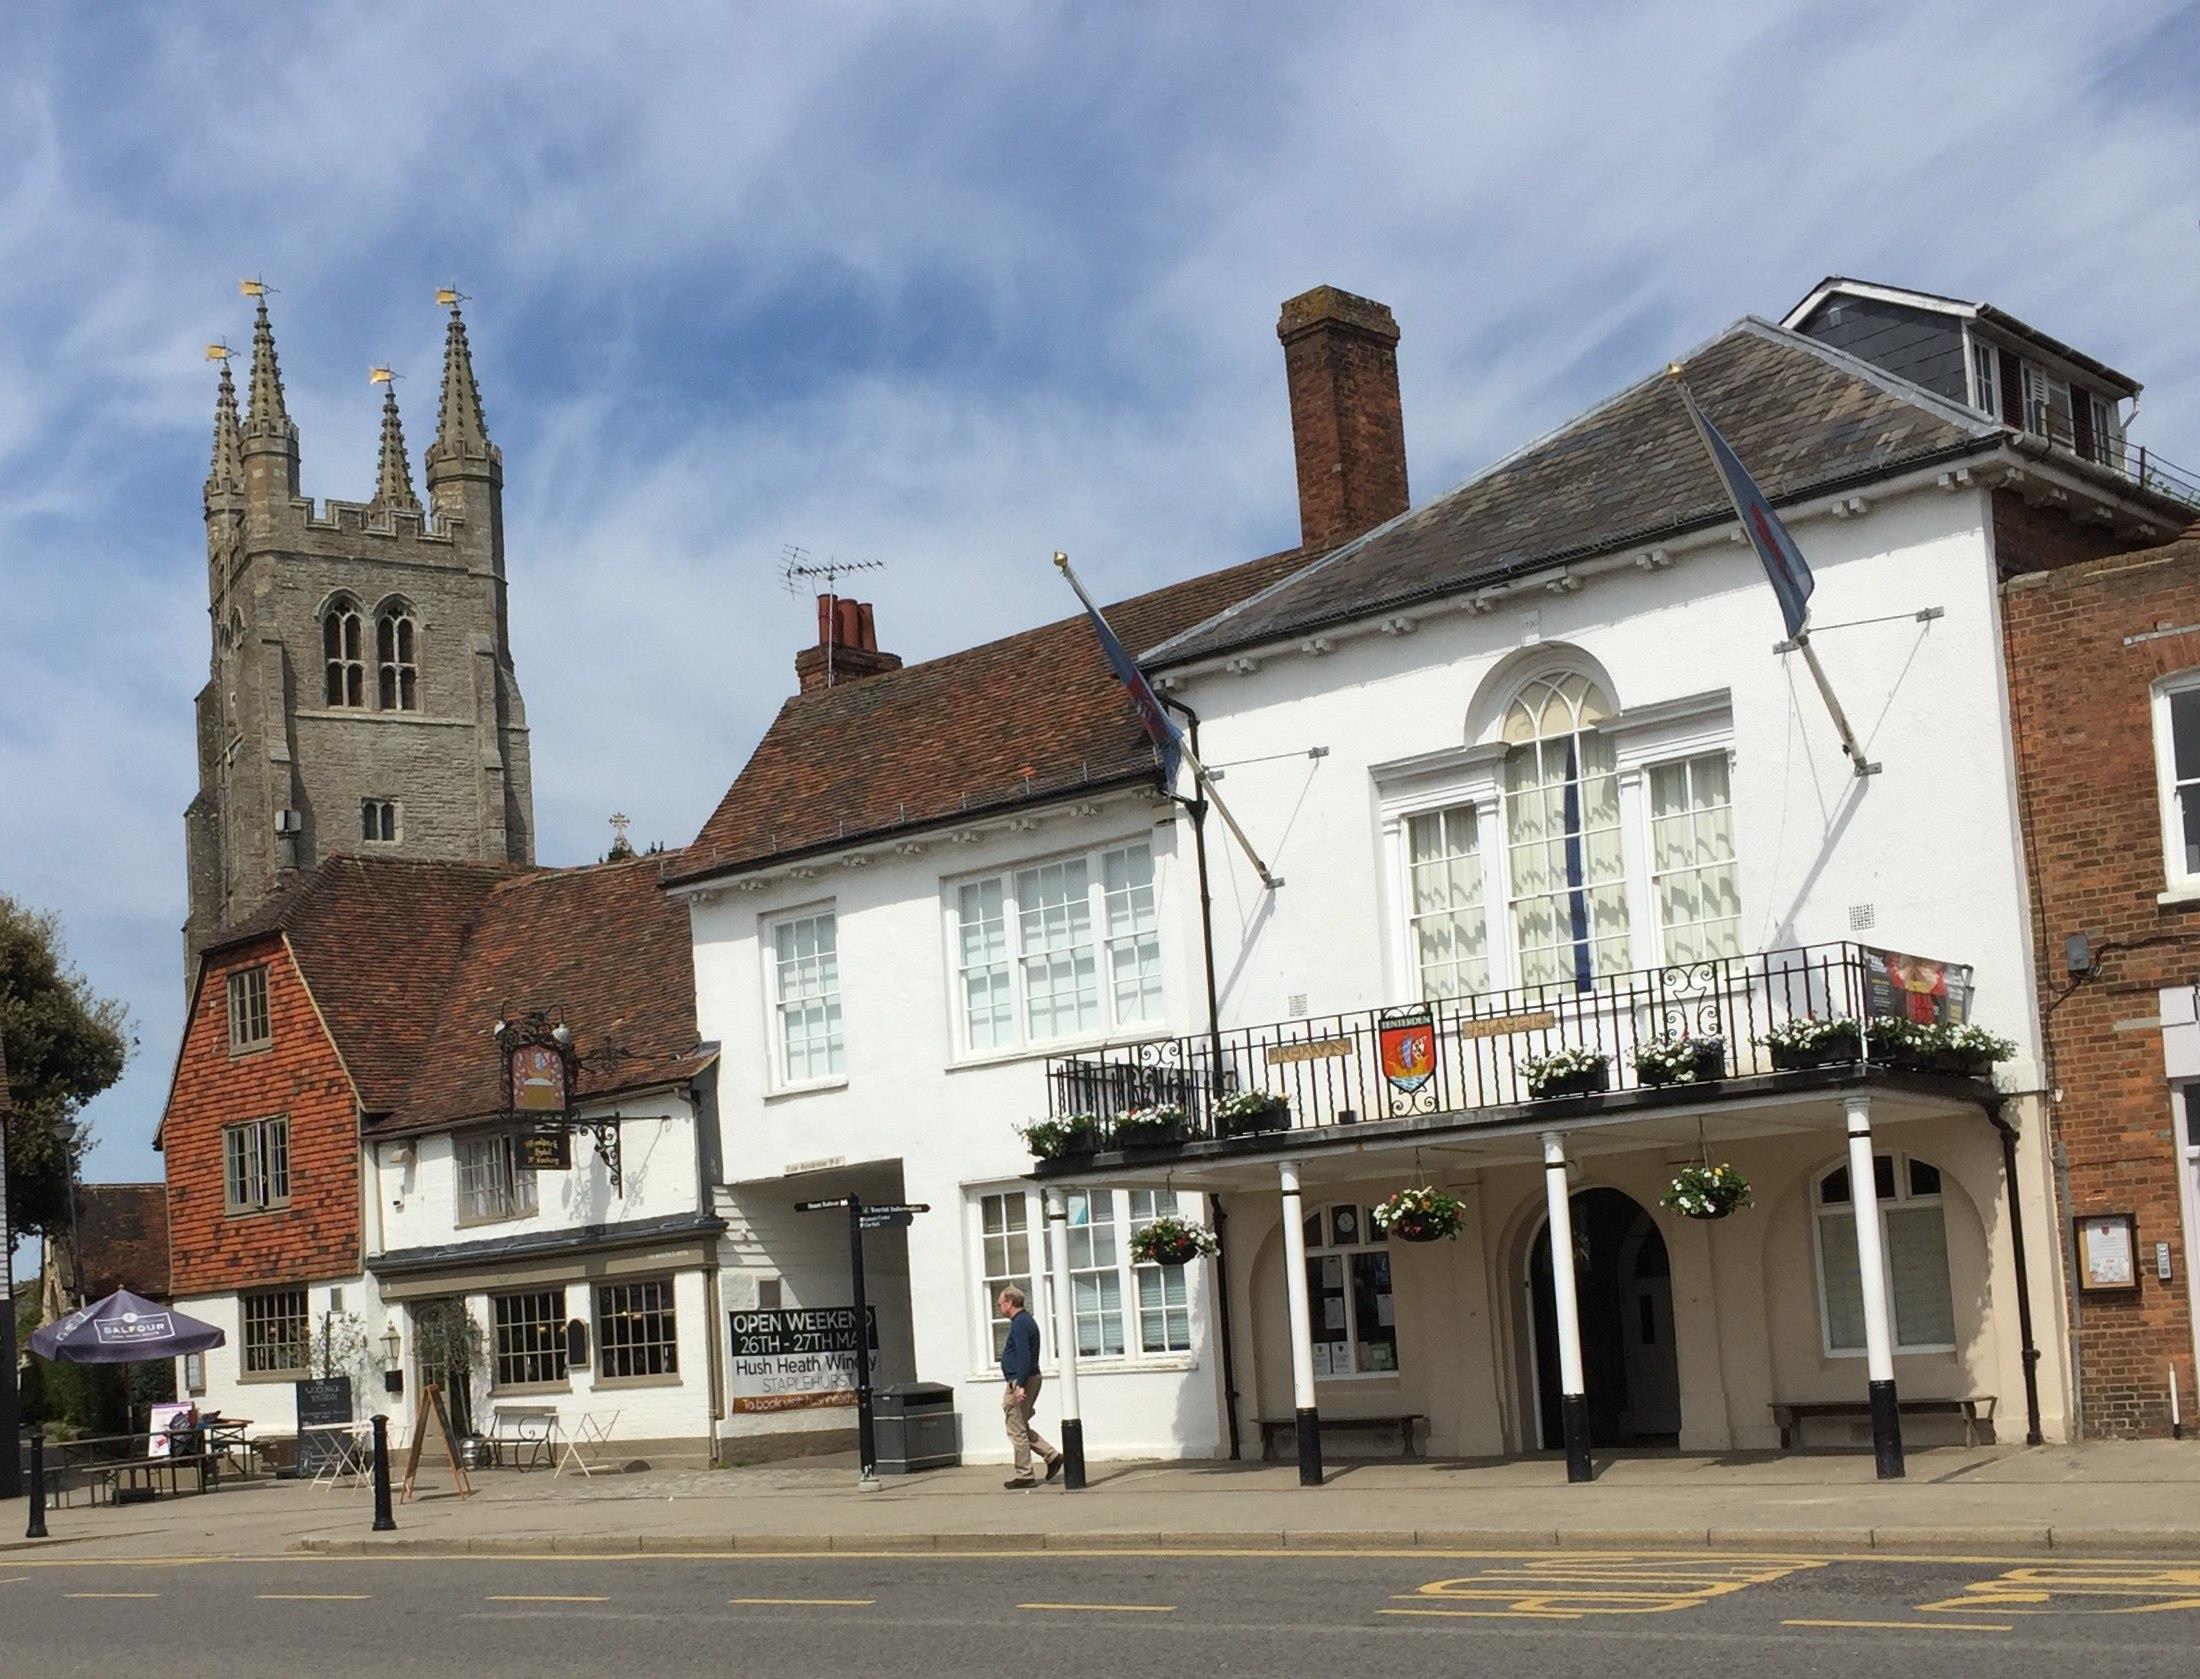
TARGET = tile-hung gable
x,y
1034,716
1809,420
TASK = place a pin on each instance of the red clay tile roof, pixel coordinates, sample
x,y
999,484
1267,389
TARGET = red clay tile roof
x,y
602,948
1036,715
377,939
122,1239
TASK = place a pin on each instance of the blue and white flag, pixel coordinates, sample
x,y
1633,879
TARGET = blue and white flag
x,y
1785,567
1167,737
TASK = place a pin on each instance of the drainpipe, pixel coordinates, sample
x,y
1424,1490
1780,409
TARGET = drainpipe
x,y
2032,1434
1220,1219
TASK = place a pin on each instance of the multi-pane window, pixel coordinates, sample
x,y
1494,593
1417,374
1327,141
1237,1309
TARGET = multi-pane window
x,y
492,1184
1004,1234
248,1020
256,1165
276,1338
1353,1320
1692,871
2106,442
2046,405
1164,1295
1095,1274
2177,752
1059,949
636,1331
378,821
1562,834
806,997
1915,1238
1444,913
396,657
528,1335
1986,377
343,655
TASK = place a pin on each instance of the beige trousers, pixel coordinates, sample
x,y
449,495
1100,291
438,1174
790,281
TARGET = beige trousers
x,y
1016,1413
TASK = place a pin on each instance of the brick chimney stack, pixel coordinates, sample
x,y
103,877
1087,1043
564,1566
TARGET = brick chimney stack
x,y
1340,356
847,647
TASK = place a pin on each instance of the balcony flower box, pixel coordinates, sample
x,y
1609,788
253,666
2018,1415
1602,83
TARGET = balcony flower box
x,y
1058,1139
1802,1043
1251,1112
1170,1240
1680,1060
1427,1214
1706,1191
1161,1126
1930,1047
1972,1050
1567,1072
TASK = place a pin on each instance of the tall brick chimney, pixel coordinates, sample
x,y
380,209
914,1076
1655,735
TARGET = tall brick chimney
x,y
1340,356
847,647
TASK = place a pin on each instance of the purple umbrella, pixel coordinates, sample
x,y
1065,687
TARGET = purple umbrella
x,y
124,1328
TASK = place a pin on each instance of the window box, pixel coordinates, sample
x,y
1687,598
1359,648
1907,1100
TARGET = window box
x,y
1801,1044
1060,1139
1251,1112
1568,1072
1670,1061
1162,1127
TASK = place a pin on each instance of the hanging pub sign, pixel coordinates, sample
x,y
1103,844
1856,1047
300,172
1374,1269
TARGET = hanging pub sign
x,y
1406,1042
539,1084
1900,987
541,1071
547,1148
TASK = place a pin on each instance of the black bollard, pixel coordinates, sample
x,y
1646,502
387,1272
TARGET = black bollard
x,y
384,1522
37,1528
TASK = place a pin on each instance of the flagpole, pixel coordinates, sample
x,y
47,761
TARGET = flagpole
x,y
1199,770
1800,641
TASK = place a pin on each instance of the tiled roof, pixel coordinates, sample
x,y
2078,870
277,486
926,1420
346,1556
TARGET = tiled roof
x,y
122,1239
377,939
1805,418
601,948
1032,716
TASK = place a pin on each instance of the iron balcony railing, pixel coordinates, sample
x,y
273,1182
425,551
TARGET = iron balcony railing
x,y
1461,1054
2129,461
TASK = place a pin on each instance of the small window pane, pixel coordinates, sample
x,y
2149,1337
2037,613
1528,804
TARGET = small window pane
x,y
1844,1292
2184,728
1924,1179
1883,1175
1833,1188
1917,1263
2192,1116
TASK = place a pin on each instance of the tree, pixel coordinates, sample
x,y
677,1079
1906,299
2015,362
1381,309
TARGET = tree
x,y
65,1044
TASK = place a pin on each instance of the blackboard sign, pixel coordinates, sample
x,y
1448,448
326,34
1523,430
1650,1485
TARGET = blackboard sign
x,y
322,1405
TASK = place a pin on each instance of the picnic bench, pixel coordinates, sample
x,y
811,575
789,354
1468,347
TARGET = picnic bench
x,y
1791,1414
1272,1427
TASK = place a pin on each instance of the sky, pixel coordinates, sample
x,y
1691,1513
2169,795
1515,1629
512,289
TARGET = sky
x,y
943,286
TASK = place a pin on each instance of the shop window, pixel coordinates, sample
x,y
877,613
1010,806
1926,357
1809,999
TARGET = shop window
x,y
529,1337
1354,1322
275,1334
1124,1309
637,1331
1914,1235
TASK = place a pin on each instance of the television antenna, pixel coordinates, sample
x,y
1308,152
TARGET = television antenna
x,y
799,568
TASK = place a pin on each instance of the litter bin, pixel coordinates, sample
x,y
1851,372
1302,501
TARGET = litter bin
x,y
914,1424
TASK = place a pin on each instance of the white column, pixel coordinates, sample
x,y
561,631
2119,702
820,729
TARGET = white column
x,y
1871,1276
1065,1336
1294,1283
1573,1405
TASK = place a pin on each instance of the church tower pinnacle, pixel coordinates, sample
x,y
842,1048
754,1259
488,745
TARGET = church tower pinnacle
x,y
227,475
461,433
393,485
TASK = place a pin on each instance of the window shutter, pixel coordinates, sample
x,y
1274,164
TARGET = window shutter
x,y
2012,390
2081,421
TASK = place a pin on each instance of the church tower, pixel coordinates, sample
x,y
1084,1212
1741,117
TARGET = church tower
x,y
361,697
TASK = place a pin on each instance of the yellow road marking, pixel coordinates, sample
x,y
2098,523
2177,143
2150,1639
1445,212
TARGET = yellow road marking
x,y
816,1602
314,1597
1573,1584
1909,1626
111,1594
542,1597
1109,1608
1493,1614
2085,1589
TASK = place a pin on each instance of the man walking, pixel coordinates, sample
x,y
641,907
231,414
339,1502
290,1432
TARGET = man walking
x,y
1020,1368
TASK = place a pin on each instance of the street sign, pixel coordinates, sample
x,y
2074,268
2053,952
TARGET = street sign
x,y
887,1219
820,1206
860,1219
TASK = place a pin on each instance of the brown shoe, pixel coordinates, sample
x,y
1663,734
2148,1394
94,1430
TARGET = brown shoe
x,y
1019,1483
1054,1466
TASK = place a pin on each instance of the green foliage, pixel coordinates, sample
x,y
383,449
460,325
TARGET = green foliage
x,y
65,1044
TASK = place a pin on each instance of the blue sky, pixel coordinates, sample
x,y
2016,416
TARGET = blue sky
x,y
948,286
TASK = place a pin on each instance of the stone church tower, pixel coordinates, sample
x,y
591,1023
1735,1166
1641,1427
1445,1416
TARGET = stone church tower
x,y
361,698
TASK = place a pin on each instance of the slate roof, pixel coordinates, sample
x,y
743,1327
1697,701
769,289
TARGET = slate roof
x,y
1972,306
1033,716
1807,419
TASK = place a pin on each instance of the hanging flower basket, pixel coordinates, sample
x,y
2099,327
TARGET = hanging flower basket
x,y
1169,1240
1160,1126
1055,1139
1567,1072
1680,1060
1800,1043
1251,1112
1706,1191
1427,1214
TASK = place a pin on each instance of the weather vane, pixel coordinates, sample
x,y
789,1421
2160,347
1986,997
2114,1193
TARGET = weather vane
x,y
451,297
254,288
219,352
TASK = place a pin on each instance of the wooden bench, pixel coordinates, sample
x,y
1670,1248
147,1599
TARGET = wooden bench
x,y
1792,1414
1271,1427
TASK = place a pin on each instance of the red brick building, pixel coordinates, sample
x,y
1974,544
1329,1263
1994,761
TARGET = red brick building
x,y
2104,672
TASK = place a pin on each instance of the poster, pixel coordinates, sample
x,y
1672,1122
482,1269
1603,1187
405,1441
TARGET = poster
x,y
2107,1252
794,1359
158,1423
1900,987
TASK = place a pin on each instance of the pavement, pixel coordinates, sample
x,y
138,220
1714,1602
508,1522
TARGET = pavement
x,y
2136,1498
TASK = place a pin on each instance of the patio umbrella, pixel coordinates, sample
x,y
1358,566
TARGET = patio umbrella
x,y
124,1328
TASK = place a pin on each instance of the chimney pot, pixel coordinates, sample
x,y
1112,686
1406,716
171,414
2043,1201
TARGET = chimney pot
x,y
1340,358
846,649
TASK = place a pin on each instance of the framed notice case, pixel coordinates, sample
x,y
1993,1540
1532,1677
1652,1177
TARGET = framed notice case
x,y
2108,1253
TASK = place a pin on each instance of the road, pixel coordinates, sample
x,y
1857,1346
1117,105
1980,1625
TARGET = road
x,y
1068,1616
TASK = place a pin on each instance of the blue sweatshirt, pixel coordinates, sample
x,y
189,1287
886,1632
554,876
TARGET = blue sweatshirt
x,y
1020,1358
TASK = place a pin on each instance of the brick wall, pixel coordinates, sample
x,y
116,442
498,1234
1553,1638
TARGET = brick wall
x,y
2029,539
2082,712
317,1236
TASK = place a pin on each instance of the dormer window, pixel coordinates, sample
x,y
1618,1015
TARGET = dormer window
x,y
396,639
343,654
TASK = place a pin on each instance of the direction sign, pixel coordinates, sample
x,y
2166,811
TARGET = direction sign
x,y
820,1206
887,1218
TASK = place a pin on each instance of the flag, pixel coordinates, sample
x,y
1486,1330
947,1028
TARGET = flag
x,y
1168,739
1785,567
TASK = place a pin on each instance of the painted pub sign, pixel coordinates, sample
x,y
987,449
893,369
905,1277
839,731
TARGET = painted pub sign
x,y
538,1079
1406,1043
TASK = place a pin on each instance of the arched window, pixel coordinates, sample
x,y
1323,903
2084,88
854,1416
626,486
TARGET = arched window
x,y
1914,1235
1567,868
343,653
396,642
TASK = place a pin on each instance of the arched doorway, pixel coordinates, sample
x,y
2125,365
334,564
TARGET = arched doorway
x,y
1624,1280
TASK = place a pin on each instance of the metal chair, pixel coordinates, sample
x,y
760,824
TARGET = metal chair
x,y
592,1429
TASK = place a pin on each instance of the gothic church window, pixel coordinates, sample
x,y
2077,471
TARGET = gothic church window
x,y
379,821
343,652
396,646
